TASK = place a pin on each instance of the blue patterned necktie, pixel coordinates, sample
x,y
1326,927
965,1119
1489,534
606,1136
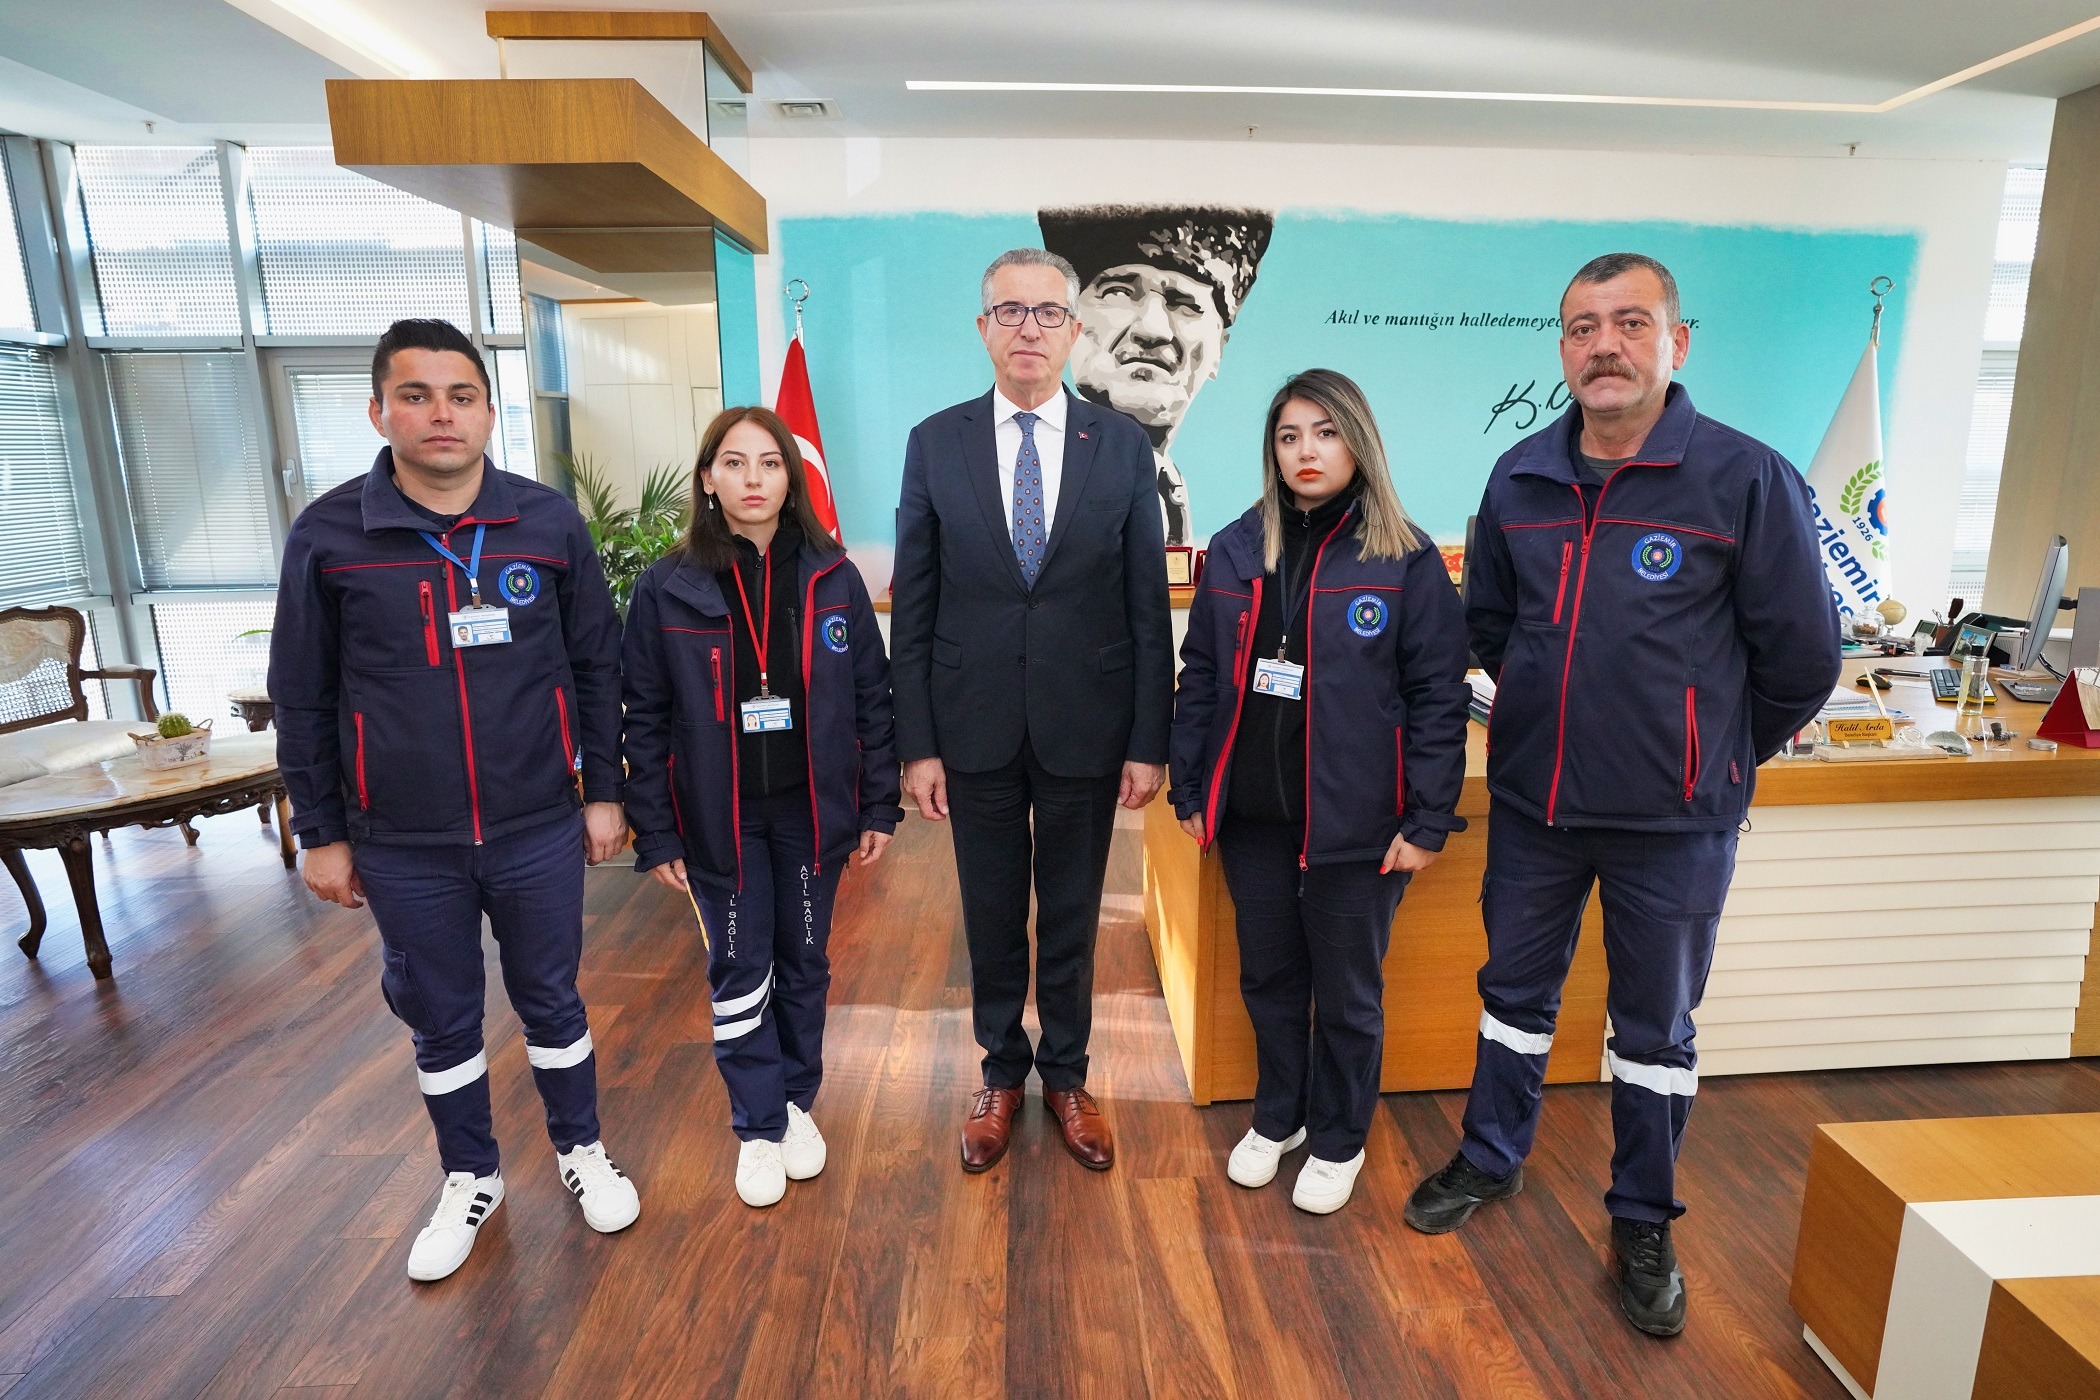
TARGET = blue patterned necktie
x,y
1029,533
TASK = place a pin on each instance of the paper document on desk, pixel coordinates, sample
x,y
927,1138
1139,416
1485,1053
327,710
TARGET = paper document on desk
x,y
1848,703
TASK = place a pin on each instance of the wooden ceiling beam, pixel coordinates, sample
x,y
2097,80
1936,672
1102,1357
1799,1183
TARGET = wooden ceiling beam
x,y
562,154
622,24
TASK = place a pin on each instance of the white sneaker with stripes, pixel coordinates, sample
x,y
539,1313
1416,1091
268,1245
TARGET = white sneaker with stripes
x,y
608,1198
463,1207
802,1150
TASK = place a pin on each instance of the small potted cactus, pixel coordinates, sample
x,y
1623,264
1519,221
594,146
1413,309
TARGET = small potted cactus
x,y
175,742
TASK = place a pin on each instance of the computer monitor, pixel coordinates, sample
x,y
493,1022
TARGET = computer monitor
x,y
2048,597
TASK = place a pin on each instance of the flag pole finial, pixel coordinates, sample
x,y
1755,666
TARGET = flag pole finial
x,y
798,297
1879,288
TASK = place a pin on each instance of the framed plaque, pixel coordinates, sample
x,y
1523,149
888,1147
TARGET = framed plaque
x,y
1181,566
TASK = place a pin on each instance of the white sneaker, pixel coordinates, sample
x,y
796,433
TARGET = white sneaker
x,y
802,1150
1324,1187
463,1206
1253,1163
761,1180
608,1198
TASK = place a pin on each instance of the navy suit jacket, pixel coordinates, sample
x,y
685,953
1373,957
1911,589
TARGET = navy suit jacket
x,y
1081,665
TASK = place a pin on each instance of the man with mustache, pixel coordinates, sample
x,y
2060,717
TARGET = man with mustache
x,y
1647,593
1160,288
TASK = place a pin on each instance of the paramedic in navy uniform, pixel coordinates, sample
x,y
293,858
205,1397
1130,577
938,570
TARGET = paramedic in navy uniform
x,y
437,777
1325,639
1647,593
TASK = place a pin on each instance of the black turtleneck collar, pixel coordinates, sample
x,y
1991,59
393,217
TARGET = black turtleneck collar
x,y
1324,514
787,538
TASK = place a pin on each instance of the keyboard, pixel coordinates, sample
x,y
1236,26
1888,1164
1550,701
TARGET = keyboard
x,y
1946,685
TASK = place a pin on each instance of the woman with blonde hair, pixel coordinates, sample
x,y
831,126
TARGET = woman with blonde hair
x,y
1319,740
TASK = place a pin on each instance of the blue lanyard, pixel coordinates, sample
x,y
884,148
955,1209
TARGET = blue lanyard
x,y
471,565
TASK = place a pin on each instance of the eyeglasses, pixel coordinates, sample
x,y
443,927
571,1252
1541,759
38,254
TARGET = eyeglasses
x,y
1049,315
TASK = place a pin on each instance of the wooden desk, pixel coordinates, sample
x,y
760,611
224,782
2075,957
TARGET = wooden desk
x,y
1884,913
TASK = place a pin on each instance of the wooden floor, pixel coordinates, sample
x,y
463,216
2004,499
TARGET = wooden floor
x,y
214,1165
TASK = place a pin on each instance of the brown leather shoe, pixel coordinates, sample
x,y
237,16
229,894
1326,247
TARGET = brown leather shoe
x,y
988,1128
1084,1130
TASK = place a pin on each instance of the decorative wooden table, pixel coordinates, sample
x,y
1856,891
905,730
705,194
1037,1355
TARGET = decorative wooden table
x,y
61,810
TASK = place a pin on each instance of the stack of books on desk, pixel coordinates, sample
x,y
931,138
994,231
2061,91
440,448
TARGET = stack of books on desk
x,y
1483,696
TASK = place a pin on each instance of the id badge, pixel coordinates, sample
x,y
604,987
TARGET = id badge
x,y
1283,679
479,627
765,714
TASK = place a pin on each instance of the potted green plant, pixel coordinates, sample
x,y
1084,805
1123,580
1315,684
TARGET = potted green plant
x,y
630,538
174,742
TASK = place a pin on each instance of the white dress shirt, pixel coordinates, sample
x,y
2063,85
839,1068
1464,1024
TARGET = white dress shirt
x,y
1049,446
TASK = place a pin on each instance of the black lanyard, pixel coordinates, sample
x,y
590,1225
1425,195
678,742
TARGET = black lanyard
x,y
762,638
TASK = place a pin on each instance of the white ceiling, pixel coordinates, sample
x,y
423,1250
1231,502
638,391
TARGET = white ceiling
x,y
251,69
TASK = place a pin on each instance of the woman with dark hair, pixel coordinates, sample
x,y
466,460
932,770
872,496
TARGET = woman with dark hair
x,y
1320,741
760,758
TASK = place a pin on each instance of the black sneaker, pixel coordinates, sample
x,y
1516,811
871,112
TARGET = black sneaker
x,y
1447,1199
1651,1286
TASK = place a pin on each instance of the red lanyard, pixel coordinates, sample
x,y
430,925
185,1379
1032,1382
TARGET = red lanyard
x,y
763,637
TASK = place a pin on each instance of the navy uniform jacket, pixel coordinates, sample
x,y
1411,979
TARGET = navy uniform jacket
x,y
683,797
1385,693
1648,661
384,732
1083,663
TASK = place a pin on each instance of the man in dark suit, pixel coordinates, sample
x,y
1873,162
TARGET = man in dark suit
x,y
1033,674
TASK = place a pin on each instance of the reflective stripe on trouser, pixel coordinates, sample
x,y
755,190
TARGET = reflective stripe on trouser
x,y
1312,948
767,969
428,902
1662,893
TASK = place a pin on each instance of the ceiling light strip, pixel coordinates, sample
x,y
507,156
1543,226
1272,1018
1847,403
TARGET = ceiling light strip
x,y
1585,98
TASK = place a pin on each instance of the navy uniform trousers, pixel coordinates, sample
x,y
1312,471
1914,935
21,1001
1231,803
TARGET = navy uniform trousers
x,y
1662,896
767,966
428,902
1312,955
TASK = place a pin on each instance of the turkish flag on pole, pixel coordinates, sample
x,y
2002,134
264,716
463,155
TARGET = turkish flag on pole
x,y
798,409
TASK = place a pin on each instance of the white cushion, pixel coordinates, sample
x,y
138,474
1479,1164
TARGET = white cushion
x,y
53,748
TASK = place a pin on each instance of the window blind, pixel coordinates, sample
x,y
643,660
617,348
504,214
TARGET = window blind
x,y
43,554
192,468
550,358
336,441
156,221
510,447
343,255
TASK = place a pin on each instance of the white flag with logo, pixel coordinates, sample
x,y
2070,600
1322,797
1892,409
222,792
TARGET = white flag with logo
x,y
1851,501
